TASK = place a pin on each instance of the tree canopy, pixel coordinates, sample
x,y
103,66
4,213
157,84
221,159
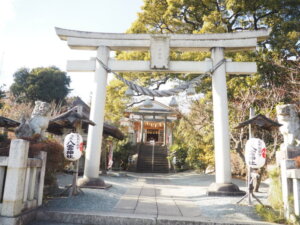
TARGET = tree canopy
x,y
277,58
43,83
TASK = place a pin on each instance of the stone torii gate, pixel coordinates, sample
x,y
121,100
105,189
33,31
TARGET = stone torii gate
x,y
160,46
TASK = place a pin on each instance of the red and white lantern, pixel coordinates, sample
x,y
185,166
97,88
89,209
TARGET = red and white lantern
x,y
255,153
73,146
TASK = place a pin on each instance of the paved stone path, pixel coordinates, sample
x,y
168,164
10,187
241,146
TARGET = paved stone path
x,y
183,195
180,196
156,196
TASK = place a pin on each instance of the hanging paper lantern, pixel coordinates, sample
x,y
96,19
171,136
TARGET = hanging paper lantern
x,y
73,146
255,153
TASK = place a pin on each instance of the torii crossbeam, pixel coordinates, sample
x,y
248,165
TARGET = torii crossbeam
x,y
160,46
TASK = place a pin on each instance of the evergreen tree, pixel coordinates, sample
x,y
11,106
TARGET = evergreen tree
x,y
45,84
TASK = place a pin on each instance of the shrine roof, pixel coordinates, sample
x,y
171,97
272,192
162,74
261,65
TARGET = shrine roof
x,y
6,122
70,118
260,121
156,109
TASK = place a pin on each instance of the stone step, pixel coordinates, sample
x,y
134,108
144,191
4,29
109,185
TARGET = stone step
x,y
89,218
49,223
150,166
155,165
160,159
45,217
155,162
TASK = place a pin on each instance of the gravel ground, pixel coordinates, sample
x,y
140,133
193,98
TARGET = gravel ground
x,y
217,208
93,199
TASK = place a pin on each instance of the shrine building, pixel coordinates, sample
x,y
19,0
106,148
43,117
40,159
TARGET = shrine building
x,y
152,121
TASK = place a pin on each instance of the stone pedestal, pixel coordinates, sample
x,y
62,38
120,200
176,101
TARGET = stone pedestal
x,y
229,189
96,183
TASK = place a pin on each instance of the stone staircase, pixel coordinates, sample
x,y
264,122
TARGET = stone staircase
x,y
160,165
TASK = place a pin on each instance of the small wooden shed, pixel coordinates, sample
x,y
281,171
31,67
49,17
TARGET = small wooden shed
x,y
260,121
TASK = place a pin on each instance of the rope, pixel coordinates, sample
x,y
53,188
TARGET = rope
x,y
162,93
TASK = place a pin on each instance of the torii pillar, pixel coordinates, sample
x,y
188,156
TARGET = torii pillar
x,y
94,140
160,46
223,184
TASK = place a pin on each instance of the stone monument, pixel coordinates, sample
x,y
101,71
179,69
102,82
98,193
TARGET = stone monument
x,y
290,129
37,124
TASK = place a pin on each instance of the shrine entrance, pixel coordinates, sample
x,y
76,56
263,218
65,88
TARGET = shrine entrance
x,y
160,46
154,135
151,123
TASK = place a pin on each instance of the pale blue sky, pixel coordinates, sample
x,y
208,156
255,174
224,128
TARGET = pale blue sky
x,y
28,39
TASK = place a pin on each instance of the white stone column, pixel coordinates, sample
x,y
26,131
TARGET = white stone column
x,y
94,140
296,194
15,178
43,157
221,127
286,185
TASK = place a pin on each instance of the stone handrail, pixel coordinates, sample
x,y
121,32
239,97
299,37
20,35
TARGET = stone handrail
x,y
21,180
290,181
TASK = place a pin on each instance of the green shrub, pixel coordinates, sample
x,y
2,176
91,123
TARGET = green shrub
x,y
269,214
274,212
180,153
123,150
275,196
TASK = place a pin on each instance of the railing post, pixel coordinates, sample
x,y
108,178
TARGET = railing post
x,y
287,186
15,178
43,157
296,190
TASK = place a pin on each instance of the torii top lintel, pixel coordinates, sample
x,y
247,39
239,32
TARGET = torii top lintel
x,y
183,42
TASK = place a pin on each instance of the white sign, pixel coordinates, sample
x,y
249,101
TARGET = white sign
x,y
255,153
73,146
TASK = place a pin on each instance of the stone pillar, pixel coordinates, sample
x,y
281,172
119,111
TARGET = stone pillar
x,y
286,185
15,178
142,129
223,185
221,128
94,139
165,130
43,157
296,193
